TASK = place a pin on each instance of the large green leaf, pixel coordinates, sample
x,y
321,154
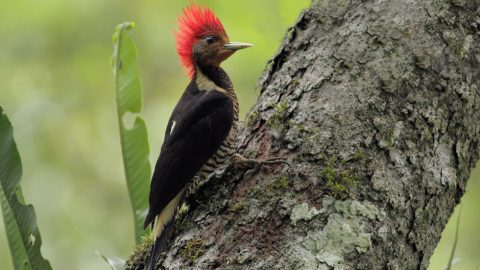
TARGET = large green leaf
x,y
20,220
134,140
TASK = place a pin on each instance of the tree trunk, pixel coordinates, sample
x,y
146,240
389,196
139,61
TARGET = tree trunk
x,y
376,106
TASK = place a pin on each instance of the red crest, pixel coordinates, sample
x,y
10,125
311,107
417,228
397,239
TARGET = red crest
x,y
195,22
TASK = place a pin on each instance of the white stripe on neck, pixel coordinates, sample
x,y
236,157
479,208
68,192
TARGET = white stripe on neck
x,y
205,84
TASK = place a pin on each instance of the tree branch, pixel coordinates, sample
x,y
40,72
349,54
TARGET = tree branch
x,y
376,105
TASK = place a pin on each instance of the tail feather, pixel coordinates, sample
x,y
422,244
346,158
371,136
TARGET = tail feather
x,y
163,227
160,244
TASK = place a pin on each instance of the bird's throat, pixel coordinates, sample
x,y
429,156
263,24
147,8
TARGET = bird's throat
x,y
204,83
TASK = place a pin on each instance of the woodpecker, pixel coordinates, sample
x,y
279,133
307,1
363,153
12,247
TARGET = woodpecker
x,y
202,128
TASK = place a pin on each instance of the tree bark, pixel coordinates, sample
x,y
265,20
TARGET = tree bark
x,y
376,106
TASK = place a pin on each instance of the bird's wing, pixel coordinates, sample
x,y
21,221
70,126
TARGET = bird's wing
x,y
195,131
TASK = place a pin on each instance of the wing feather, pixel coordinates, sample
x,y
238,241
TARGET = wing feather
x,y
202,122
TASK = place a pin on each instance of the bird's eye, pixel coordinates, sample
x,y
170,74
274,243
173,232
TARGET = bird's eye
x,y
210,39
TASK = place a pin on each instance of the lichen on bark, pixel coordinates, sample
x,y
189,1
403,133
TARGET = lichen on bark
x,y
380,97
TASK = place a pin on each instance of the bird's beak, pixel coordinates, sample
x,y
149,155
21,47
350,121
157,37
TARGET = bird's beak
x,y
234,46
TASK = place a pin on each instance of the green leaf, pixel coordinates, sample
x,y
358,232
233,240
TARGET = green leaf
x,y
114,263
133,137
19,218
451,260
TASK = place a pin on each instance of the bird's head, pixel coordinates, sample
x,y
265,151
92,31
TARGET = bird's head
x,y
202,40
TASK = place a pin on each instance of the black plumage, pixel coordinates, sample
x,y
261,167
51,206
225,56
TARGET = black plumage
x,y
201,121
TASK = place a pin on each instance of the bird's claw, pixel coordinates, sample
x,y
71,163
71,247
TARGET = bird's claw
x,y
241,161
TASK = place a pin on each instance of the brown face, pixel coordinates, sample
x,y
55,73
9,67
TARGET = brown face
x,y
209,50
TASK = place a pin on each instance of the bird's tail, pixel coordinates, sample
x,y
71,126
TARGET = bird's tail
x,y
159,245
163,227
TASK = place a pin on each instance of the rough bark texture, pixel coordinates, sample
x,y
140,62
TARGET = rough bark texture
x,y
376,105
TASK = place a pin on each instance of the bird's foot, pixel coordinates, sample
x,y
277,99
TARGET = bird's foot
x,y
255,164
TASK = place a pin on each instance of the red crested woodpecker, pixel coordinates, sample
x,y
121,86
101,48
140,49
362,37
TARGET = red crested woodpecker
x,y
202,128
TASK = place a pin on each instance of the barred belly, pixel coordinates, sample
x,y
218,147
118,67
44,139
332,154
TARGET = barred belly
x,y
223,154
221,157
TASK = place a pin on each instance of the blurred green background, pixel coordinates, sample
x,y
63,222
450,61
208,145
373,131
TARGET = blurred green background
x,y
57,87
